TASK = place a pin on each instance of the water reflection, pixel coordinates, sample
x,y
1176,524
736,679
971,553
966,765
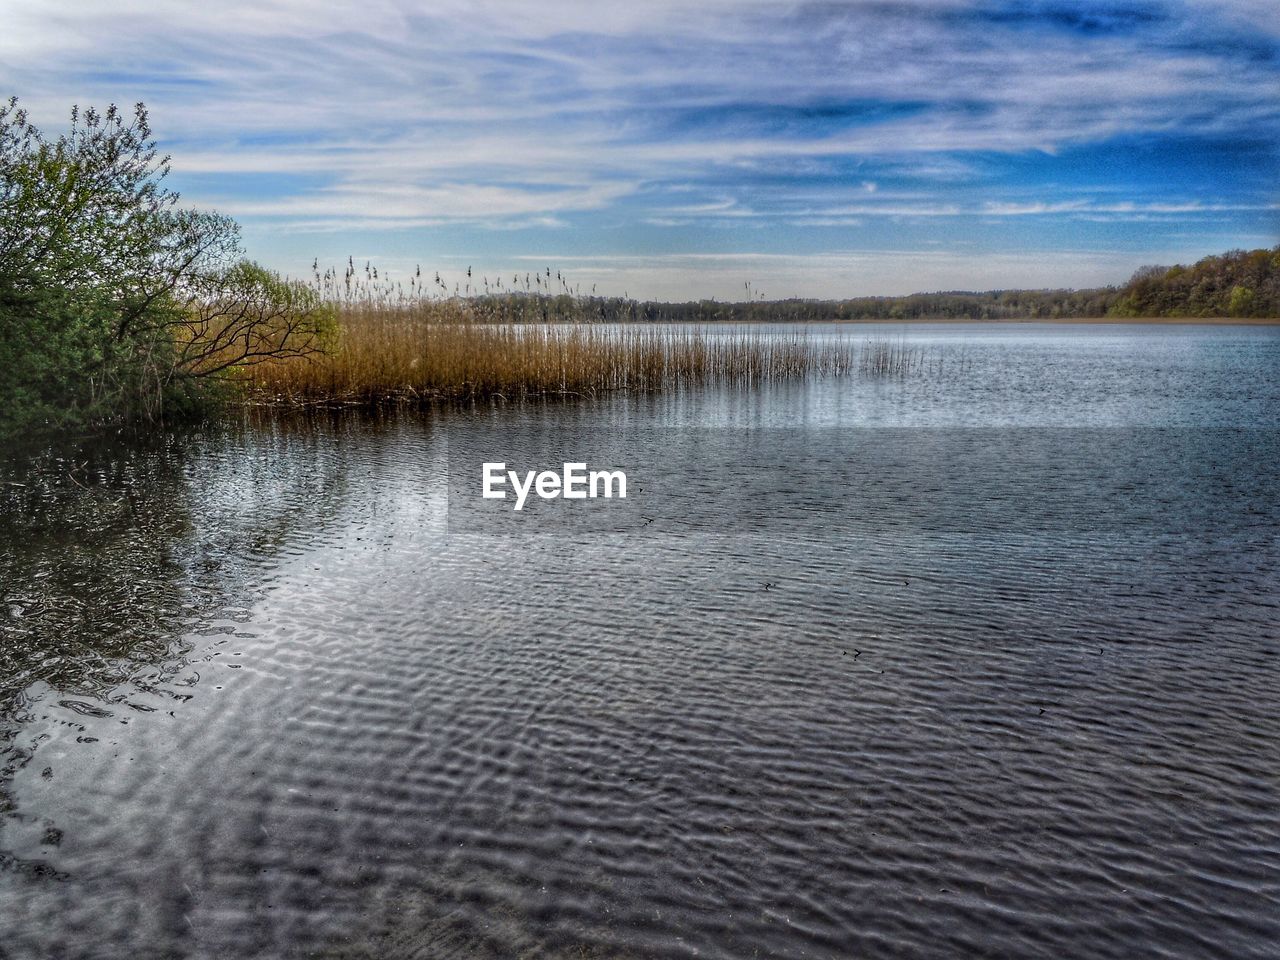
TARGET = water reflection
x,y
90,545
117,556
90,581
999,692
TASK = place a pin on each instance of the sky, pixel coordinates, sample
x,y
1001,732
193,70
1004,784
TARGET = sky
x,y
679,150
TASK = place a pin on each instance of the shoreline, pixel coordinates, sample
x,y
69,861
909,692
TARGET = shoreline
x,y
1010,321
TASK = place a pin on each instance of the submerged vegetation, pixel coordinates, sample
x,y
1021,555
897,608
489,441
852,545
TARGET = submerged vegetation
x,y
883,357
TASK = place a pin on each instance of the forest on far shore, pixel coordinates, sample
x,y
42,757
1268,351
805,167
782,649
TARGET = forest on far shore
x,y
1240,283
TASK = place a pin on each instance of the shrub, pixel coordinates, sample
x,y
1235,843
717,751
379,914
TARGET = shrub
x,y
114,300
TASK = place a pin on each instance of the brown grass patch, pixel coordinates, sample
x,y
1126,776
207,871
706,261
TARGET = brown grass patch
x,y
440,349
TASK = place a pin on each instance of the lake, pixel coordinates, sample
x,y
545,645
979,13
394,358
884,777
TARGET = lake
x,y
979,661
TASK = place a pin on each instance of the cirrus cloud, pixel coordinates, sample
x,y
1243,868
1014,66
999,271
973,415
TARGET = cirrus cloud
x,y
1128,127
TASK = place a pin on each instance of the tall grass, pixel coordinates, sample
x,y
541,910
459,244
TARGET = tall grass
x,y
893,358
440,349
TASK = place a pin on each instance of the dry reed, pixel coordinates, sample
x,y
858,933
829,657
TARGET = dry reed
x,y
438,349
890,358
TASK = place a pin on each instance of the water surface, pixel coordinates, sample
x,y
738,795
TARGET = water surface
x,y
977,663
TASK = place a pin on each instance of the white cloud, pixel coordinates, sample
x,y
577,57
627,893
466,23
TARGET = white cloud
x,y
377,115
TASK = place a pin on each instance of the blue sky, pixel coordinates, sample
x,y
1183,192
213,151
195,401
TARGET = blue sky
x,y
677,150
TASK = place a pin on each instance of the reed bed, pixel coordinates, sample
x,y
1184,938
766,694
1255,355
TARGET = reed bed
x,y
894,358
438,349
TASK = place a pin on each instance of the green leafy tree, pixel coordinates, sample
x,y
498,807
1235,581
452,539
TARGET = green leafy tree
x,y
114,298
1238,283
1241,302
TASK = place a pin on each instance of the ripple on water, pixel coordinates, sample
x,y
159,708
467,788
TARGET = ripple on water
x,y
992,716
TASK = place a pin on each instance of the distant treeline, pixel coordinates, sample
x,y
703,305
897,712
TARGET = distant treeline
x,y
1239,283
1236,284
995,305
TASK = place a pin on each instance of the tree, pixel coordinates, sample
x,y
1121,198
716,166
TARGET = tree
x,y
1241,302
112,295
1237,283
